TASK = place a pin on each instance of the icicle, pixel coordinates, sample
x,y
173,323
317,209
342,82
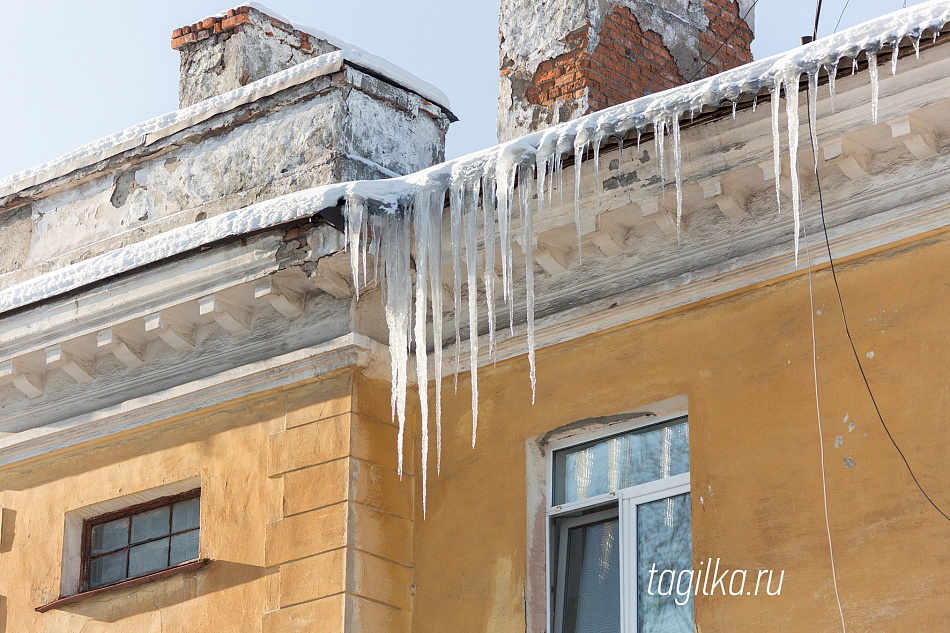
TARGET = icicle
x,y
813,113
832,73
395,249
541,173
894,54
776,89
791,110
488,210
580,147
422,221
455,229
597,141
507,247
659,130
365,240
639,133
854,64
355,213
527,239
755,104
875,88
470,229
916,41
620,154
559,175
677,170
434,245
734,105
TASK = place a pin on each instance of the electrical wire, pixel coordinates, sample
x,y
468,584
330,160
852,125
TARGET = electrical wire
x,y
814,34
821,436
724,42
838,23
844,317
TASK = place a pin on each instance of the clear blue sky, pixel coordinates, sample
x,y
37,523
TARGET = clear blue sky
x,y
72,72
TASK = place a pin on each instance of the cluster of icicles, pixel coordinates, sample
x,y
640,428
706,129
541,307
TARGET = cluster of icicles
x,y
395,227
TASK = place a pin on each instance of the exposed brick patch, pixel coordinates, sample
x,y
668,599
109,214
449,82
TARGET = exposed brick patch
x,y
629,62
226,25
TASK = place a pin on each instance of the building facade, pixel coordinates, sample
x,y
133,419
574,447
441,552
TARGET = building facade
x,y
204,344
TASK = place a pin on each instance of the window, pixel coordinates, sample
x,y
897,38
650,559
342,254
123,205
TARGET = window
x,y
140,540
620,507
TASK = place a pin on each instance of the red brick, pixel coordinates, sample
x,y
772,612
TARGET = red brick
x,y
230,23
207,23
305,45
176,33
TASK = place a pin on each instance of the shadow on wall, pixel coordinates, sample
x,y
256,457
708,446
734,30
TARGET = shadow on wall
x,y
7,529
150,597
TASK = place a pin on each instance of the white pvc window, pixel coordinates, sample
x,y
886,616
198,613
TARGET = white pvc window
x,y
620,507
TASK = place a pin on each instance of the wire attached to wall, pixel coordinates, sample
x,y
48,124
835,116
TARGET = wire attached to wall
x,y
821,436
847,330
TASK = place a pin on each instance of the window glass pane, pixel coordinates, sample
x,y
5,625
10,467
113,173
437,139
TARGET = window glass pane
x,y
621,461
107,569
664,544
591,602
150,524
185,515
148,557
110,536
184,547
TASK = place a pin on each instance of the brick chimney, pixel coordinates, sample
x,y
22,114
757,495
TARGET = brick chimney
x,y
561,59
229,50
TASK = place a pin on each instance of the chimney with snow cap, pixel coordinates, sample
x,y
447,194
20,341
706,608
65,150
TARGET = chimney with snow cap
x,y
244,44
561,59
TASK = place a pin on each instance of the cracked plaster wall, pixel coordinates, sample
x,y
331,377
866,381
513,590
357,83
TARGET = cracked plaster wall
x,y
226,61
533,34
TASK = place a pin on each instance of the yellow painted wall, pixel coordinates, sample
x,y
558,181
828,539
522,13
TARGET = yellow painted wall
x,y
745,363
307,525
310,528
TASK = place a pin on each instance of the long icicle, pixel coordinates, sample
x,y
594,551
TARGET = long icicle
x,y
875,87
791,111
395,249
455,228
776,90
813,112
470,229
434,245
527,240
677,169
488,238
579,148
422,221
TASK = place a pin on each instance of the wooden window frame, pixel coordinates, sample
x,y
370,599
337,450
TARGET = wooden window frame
x,y
89,524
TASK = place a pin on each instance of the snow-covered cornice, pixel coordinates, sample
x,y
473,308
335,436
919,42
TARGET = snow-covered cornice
x,y
163,126
627,120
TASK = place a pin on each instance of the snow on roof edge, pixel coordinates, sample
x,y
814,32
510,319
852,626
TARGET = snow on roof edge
x,y
747,79
163,125
309,30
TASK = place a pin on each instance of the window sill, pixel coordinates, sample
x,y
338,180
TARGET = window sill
x,y
125,584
